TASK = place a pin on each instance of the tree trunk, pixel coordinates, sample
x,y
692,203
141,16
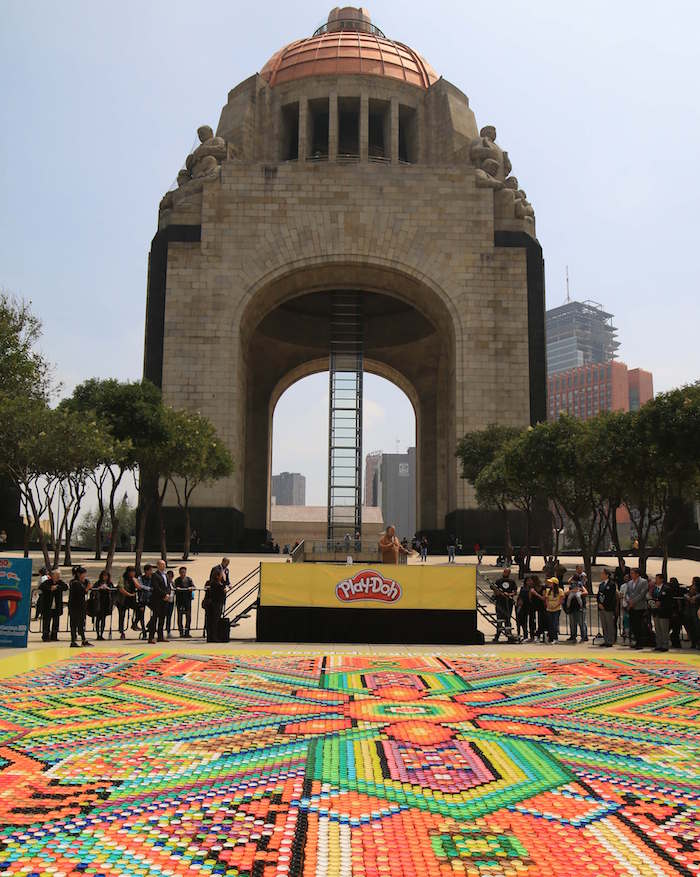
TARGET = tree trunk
x,y
188,534
612,524
162,533
27,533
586,550
528,525
143,511
98,530
112,544
507,542
42,535
56,536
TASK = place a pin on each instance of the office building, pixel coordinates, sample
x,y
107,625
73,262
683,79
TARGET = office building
x,y
372,464
397,491
591,389
579,333
288,488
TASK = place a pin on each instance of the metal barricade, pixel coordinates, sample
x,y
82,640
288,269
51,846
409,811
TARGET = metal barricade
x,y
111,630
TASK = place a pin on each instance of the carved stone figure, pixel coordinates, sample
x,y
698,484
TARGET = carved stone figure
x,y
200,165
492,162
207,157
523,208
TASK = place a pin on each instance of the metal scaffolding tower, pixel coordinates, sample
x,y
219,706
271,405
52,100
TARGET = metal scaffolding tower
x,y
345,417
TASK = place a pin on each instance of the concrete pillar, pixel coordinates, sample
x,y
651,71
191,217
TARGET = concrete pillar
x,y
420,133
394,130
257,454
428,441
364,126
303,127
333,126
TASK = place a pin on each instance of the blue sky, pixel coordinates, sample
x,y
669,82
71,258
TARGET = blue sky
x,y
596,104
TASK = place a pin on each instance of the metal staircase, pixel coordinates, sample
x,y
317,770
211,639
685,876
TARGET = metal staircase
x,y
242,597
485,607
345,417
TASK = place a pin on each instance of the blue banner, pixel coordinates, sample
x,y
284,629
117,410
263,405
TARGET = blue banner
x,y
15,601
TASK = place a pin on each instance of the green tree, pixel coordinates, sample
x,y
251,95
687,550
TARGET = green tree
x,y
197,456
87,528
613,435
24,371
85,446
662,468
476,451
563,452
524,483
25,376
132,414
32,458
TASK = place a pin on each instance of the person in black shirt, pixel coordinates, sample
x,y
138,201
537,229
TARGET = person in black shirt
x,y
522,610
184,591
125,597
607,608
214,604
662,610
504,590
100,602
678,593
77,589
51,597
144,585
161,596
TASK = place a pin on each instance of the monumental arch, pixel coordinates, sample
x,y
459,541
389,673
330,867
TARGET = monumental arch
x,y
346,163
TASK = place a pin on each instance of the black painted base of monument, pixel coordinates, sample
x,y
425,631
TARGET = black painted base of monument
x,y
486,527
220,529
406,626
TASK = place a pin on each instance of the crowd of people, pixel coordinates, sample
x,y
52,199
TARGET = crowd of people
x,y
145,603
632,609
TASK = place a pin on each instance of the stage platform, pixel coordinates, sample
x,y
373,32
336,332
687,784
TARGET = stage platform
x,y
356,603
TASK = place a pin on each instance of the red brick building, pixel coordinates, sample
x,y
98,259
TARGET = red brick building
x,y
607,386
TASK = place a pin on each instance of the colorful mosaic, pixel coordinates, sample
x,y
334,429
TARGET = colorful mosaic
x,y
117,764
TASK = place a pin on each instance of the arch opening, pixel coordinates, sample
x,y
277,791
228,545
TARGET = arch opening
x,y
409,332
298,448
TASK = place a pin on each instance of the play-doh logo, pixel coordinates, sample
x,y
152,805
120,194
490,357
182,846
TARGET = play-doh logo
x,y
368,584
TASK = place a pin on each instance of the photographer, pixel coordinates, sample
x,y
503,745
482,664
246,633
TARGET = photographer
x,y
77,589
504,593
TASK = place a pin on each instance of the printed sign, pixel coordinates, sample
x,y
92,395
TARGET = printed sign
x,y
368,584
15,600
356,586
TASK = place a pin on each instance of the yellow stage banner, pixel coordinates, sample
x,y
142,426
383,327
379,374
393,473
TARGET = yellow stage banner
x,y
335,586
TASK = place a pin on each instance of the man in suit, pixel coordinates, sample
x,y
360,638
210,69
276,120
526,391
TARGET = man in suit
x,y
223,568
161,595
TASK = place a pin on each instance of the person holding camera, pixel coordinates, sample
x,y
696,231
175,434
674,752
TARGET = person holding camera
x,y
78,588
504,590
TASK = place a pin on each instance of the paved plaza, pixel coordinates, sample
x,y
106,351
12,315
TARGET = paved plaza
x,y
348,761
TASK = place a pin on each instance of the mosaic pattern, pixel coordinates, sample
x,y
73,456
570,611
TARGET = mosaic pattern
x,y
156,764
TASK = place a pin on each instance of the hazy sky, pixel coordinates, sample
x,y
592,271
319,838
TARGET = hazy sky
x,y
596,104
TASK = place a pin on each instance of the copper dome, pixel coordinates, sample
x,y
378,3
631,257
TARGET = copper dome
x,y
348,46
